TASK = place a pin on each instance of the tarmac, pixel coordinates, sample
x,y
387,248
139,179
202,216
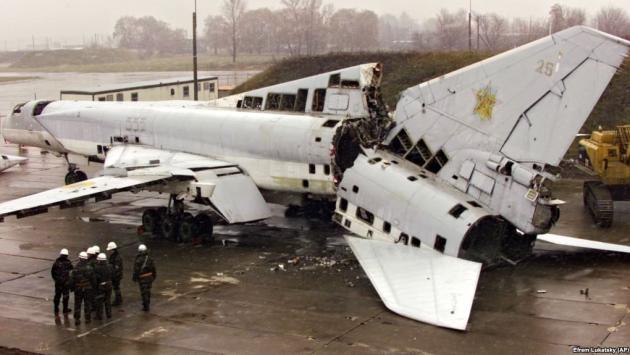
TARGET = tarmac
x,y
291,286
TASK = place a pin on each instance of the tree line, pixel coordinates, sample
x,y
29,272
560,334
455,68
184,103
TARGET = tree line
x,y
308,27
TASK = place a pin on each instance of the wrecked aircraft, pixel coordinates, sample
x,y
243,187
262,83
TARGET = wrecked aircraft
x,y
460,176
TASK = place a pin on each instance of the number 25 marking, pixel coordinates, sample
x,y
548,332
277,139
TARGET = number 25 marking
x,y
545,67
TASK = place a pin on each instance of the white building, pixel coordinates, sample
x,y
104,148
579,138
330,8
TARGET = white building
x,y
155,90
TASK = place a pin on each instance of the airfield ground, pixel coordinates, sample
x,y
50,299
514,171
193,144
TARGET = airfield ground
x,y
232,296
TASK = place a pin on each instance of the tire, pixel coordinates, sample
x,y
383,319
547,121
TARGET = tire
x,y
204,227
187,228
170,228
150,220
72,177
80,176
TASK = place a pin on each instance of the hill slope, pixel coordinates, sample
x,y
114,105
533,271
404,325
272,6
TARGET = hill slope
x,y
403,70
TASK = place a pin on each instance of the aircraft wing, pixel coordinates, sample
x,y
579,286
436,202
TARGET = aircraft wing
x,y
419,283
7,161
75,194
219,184
583,243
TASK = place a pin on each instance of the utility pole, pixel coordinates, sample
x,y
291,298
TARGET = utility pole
x,y
470,26
33,39
196,90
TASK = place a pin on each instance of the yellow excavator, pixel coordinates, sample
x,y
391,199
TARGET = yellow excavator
x,y
606,154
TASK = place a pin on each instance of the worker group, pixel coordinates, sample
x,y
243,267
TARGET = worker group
x,y
95,277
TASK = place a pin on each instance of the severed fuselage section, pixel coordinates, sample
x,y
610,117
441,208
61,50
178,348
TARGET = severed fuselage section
x,y
458,176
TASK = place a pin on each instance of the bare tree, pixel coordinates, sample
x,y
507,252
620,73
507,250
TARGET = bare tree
x,y
492,29
217,32
613,20
450,30
562,17
233,11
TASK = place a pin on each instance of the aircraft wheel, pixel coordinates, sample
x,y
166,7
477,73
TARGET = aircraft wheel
x,y
150,220
204,227
170,228
75,176
187,228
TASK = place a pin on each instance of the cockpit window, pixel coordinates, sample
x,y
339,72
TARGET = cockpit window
x,y
39,108
18,108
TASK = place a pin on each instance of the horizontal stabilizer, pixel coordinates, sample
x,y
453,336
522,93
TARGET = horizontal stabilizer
x,y
419,283
583,243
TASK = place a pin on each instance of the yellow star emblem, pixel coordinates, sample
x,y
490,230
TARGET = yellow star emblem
x,y
486,99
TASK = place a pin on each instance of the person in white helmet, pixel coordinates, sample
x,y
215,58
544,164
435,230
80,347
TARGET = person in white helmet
x,y
116,262
91,251
103,273
60,273
144,274
82,282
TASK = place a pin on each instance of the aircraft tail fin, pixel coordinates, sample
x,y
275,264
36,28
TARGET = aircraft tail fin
x,y
527,103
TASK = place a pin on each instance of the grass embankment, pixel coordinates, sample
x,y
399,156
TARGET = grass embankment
x,y
403,70
106,60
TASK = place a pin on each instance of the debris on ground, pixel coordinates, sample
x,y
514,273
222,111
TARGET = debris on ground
x,y
541,291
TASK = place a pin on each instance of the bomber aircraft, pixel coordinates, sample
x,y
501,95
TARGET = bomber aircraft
x,y
460,176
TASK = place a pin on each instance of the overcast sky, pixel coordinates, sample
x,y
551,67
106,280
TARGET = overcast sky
x,y
68,21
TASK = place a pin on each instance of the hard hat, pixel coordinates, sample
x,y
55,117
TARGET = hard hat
x,y
111,246
142,247
91,251
97,249
64,251
82,255
101,257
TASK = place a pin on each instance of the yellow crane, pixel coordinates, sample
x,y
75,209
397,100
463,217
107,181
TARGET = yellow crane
x,y
606,153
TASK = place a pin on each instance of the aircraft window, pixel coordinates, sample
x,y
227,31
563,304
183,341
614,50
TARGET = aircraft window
x,y
457,210
330,123
39,108
404,238
318,139
121,97
134,96
412,178
343,204
257,103
337,217
311,168
395,162
415,242
319,98
353,84
374,160
422,176
300,101
99,149
18,108
172,92
437,162
387,227
347,223
401,143
474,204
365,215
334,80
273,101
305,184
239,103
355,189
326,169
186,91
101,99
440,243
287,102
247,102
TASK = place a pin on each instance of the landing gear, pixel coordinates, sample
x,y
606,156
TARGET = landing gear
x,y
174,224
74,175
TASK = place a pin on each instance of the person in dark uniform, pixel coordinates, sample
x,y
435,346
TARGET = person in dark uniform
x,y
60,273
144,274
103,298
82,281
91,252
116,262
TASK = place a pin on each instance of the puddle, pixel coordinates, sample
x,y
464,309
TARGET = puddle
x,y
151,332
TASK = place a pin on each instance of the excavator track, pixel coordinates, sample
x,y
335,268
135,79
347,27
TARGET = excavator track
x,y
599,201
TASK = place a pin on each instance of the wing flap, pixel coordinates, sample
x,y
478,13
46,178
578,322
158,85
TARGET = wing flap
x,y
583,243
238,199
74,194
419,283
